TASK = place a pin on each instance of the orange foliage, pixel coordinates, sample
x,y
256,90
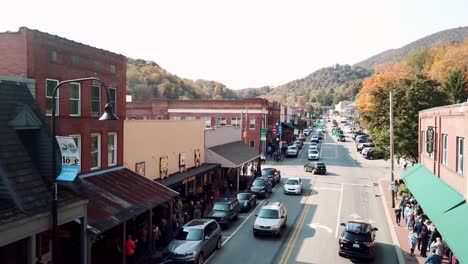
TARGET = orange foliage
x,y
446,59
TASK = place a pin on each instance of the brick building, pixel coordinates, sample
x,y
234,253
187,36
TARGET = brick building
x,y
251,114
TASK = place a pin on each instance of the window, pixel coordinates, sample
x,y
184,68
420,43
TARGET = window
x,y
223,121
423,141
252,124
113,99
159,118
144,118
75,60
53,55
207,121
95,100
236,121
77,139
112,149
97,65
50,85
176,118
95,151
444,149
189,118
218,121
252,143
460,159
112,68
75,99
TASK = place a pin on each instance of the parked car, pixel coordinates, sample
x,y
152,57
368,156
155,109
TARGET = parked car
x,y
262,158
365,150
197,239
357,133
224,210
292,151
362,145
341,138
316,168
271,219
302,137
261,187
306,132
246,201
357,240
373,154
298,144
361,137
313,155
315,139
313,147
293,185
273,174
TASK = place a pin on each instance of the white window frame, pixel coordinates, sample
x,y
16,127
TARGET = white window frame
x,y
114,134
236,121
78,145
190,118
114,104
74,99
94,114
444,149
98,150
207,121
218,121
176,118
460,155
50,97
252,125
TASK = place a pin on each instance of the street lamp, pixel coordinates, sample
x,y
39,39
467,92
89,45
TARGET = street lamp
x,y
108,115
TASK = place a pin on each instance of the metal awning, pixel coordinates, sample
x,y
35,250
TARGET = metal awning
x,y
232,155
176,178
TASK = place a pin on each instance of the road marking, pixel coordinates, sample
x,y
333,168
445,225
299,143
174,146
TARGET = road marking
x,y
339,212
317,225
290,245
325,188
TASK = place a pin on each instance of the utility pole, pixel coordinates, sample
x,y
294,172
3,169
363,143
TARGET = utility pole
x,y
392,151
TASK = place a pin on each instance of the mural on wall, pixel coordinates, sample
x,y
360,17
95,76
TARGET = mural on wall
x,y
197,158
163,166
140,168
182,156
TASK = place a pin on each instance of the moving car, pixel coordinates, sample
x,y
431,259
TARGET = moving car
x,y
357,240
292,151
271,219
197,239
261,187
341,138
315,139
246,201
316,168
373,154
313,155
224,210
273,174
293,185
313,147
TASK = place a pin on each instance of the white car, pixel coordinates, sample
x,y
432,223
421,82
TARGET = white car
x,y
313,147
293,185
306,132
292,151
313,155
271,219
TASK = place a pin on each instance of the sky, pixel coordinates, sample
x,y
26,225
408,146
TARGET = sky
x,y
240,43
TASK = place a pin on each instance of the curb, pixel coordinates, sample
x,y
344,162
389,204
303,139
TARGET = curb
x,y
396,243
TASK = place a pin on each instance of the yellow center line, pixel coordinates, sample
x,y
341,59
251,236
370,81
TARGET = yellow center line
x,y
290,245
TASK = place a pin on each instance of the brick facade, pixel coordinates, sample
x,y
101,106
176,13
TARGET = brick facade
x,y
40,56
227,112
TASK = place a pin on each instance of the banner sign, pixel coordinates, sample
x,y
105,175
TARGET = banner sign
x,y
70,158
430,139
163,166
263,134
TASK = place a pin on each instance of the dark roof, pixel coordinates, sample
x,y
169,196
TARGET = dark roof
x,y
176,178
236,152
119,194
288,125
25,156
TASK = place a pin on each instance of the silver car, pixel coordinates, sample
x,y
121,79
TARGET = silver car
x,y
197,239
271,219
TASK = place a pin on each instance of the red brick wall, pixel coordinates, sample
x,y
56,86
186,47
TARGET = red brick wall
x,y
13,54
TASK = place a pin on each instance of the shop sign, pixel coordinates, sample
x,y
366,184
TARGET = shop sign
x,y
263,133
197,158
70,159
182,156
163,166
430,139
140,168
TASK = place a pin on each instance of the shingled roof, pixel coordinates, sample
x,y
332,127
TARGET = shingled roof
x,y
25,156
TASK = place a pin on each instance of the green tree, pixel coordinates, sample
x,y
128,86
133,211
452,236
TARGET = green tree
x,y
417,59
456,87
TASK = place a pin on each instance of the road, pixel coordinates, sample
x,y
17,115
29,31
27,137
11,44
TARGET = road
x,y
349,190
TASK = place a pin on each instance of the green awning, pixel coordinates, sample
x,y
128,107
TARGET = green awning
x,y
434,195
288,125
453,225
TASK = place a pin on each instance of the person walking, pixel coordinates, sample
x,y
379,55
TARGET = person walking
x,y
156,237
398,215
412,239
418,228
130,248
424,237
405,163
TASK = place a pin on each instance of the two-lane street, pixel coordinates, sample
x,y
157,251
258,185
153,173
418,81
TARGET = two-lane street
x,y
349,191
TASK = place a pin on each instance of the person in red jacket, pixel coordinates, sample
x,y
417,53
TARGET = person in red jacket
x,y
130,247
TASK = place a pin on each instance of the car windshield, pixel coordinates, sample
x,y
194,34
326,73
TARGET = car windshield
x,y
190,234
292,182
360,237
221,207
259,183
266,172
320,164
292,147
242,196
313,152
268,213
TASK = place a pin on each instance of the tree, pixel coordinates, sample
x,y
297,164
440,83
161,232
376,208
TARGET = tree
x,y
417,59
456,87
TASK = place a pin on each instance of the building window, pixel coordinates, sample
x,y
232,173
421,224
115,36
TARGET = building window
x,y
75,60
423,141
460,159
218,121
95,151
75,94
144,118
113,99
77,139
236,121
444,149
97,65
252,143
95,100
189,118
207,121
53,55
159,118
112,149
50,85
252,124
176,118
112,68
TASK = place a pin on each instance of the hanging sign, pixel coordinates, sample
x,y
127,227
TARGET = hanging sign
x,y
430,139
70,159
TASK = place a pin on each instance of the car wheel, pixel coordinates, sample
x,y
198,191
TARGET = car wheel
x,y
219,244
313,171
371,157
305,169
286,221
200,259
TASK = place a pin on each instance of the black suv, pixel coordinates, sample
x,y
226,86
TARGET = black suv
x,y
224,210
316,168
357,240
273,174
262,187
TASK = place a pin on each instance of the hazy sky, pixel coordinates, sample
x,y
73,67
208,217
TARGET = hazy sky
x,y
241,43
